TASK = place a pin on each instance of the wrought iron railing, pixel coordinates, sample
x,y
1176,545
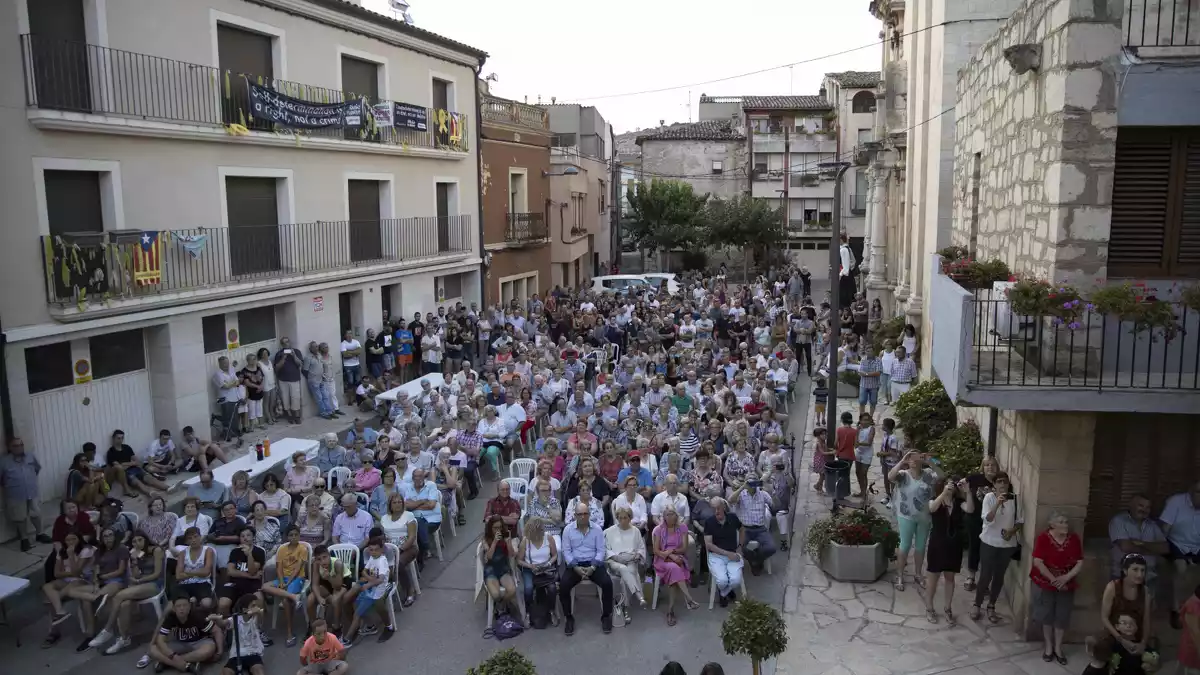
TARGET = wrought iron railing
x,y
858,204
1100,352
1161,23
84,78
512,112
96,267
525,227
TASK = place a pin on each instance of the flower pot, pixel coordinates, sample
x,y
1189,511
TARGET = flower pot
x,y
861,564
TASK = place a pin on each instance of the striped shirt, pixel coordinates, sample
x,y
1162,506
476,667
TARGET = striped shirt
x,y
870,365
904,371
752,508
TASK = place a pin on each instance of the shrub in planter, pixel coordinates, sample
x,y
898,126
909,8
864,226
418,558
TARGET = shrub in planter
x,y
505,662
952,253
1190,297
850,378
976,274
960,450
852,527
891,329
754,629
1128,303
1038,298
925,413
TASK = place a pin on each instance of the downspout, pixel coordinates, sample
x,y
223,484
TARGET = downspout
x,y
5,399
993,429
483,267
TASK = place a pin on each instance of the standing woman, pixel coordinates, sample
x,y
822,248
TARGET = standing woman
x,y
944,559
1057,559
998,541
864,454
980,484
914,490
270,385
875,317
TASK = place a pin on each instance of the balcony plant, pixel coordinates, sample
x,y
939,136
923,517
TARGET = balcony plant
x,y
972,274
959,450
754,629
952,253
505,662
925,413
1190,297
1039,298
1129,303
853,545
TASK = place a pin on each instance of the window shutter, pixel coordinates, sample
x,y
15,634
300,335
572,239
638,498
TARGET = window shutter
x,y
1141,201
1187,260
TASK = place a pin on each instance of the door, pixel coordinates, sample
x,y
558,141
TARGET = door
x,y
58,55
253,211
360,79
246,57
345,314
75,215
366,242
443,216
441,101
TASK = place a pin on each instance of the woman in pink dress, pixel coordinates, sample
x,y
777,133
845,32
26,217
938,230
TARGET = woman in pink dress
x,y
670,540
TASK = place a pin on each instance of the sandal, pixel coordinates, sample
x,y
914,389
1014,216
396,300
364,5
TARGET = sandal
x,y
1062,659
693,605
950,617
992,615
899,583
974,613
1048,657
969,584
670,618
931,616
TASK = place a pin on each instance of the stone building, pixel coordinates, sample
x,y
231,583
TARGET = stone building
x,y
709,154
1076,159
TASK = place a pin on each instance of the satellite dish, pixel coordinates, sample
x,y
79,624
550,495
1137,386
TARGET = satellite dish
x,y
401,7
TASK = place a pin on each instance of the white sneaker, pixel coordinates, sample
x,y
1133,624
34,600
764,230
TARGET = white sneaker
x,y
101,638
752,546
119,646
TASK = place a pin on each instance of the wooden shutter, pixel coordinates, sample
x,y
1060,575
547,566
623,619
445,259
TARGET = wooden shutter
x,y
1141,204
1187,259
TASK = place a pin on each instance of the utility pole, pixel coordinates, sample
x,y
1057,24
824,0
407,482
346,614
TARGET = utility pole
x,y
787,179
835,277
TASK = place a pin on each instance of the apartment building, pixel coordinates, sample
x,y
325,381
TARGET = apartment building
x,y
190,180
852,95
1076,160
583,170
515,191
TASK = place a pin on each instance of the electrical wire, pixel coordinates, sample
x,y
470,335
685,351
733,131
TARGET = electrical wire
x,y
780,67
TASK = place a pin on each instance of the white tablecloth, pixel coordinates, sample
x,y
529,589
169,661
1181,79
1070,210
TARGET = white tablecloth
x,y
281,451
10,586
412,388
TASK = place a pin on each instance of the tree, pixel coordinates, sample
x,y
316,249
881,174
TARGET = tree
x,y
755,629
744,222
665,215
505,662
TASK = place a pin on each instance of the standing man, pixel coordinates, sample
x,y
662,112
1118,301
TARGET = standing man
x,y
327,379
846,283
904,371
19,478
227,382
288,366
351,370
313,374
795,291
870,368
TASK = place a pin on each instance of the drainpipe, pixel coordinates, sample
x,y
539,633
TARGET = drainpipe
x,y
483,271
993,428
5,404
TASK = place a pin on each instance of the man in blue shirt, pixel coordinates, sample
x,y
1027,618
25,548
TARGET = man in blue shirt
x,y
19,476
583,557
644,477
423,499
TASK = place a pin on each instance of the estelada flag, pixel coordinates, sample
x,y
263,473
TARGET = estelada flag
x,y
147,259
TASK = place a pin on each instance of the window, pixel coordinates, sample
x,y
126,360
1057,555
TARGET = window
x,y
518,192
365,210
49,367
256,325
563,140
600,198
360,78
117,353
822,246
213,329
443,95
718,167
864,136
1155,225
73,201
243,52
760,169
447,287
863,102
252,210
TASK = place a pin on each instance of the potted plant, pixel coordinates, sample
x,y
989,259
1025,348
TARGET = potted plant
x,y
1190,297
505,662
851,379
959,450
925,413
1039,298
853,545
1130,303
952,253
973,274
755,629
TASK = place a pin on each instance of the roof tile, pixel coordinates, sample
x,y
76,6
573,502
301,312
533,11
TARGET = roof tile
x,y
707,130
785,103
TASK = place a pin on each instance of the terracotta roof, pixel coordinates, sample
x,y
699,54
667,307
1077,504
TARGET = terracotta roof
x,y
707,130
355,9
856,79
785,103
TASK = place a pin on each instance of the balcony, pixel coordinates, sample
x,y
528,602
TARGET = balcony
x,y
858,205
1167,28
526,228
82,87
103,273
517,114
799,142
988,356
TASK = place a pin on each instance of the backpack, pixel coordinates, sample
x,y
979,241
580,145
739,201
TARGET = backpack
x,y
504,627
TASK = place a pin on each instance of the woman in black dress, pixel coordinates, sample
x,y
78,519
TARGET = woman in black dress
x,y
944,555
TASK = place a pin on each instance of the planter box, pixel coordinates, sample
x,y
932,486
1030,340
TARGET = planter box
x,y
861,564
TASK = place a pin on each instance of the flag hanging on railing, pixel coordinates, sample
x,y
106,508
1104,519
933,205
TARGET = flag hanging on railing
x,y
147,259
192,244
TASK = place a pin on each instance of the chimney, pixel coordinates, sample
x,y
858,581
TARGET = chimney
x,y
821,91
662,123
553,100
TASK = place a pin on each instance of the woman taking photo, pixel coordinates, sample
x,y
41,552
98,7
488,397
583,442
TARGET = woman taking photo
x,y
497,567
979,483
74,578
944,557
1057,559
998,541
914,490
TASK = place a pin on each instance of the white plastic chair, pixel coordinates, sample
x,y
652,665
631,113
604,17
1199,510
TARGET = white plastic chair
x,y
133,519
712,590
339,476
392,597
364,500
521,467
654,593
303,591
518,486
348,555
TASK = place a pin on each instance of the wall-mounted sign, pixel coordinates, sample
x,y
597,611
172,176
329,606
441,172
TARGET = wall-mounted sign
x,y
83,371
318,303
232,336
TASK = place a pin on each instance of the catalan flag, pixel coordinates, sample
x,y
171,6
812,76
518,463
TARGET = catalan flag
x,y
147,259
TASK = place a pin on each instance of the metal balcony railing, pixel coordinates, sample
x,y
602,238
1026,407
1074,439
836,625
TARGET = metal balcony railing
x,y
96,267
1161,23
858,204
525,227
84,78
511,112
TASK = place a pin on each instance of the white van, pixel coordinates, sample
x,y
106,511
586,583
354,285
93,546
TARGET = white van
x,y
620,283
663,280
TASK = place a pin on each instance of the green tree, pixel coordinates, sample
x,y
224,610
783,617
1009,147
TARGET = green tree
x,y
754,629
744,222
505,662
665,215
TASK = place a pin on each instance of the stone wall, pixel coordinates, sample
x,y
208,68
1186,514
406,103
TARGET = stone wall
x,y
1042,142
695,158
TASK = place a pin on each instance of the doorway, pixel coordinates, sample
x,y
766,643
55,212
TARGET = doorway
x,y
345,314
58,52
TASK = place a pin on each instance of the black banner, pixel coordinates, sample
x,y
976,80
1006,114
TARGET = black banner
x,y
409,116
270,105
